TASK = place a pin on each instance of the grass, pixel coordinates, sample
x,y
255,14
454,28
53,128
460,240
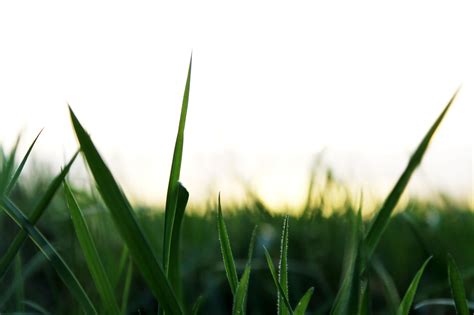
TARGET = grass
x,y
162,254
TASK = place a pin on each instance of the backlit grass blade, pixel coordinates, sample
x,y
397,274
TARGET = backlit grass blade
x,y
457,287
96,268
302,305
175,263
283,267
228,258
127,224
278,286
172,195
238,307
38,211
407,301
7,167
20,167
383,215
63,270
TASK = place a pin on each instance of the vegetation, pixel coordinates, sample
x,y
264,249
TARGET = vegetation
x,y
93,253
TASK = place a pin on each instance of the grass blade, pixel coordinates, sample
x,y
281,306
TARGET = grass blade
x,y
20,167
126,287
228,258
383,215
7,167
127,224
457,287
51,255
172,193
38,211
390,288
303,303
197,305
283,267
238,307
91,255
174,268
277,283
253,238
407,301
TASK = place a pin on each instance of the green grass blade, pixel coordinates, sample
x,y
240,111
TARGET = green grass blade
x,y
238,307
197,305
63,270
7,167
302,305
38,211
383,215
283,267
390,288
457,287
175,263
20,167
38,308
280,290
96,268
127,224
228,258
172,194
252,244
126,287
407,301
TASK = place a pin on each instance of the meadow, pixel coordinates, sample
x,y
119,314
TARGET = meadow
x,y
70,250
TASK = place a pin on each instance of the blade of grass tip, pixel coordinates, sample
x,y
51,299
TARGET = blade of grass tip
x,y
382,217
171,195
407,301
252,245
38,211
20,167
227,257
96,268
126,287
126,223
8,166
278,286
303,303
63,270
238,307
283,267
197,305
175,263
457,287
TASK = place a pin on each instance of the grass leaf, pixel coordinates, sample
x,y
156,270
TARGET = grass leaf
x,y
238,307
457,287
283,267
127,224
382,217
303,303
91,255
407,301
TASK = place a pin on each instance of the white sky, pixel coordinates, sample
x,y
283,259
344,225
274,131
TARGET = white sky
x,y
273,84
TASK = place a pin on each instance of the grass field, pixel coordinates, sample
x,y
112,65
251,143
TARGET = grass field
x,y
66,250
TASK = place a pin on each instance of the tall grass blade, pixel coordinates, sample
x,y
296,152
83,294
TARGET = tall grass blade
x,y
63,270
91,255
126,287
283,267
20,167
172,193
227,257
175,263
253,238
238,307
278,286
457,287
389,285
38,211
407,301
7,167
127,224
302,305
383,215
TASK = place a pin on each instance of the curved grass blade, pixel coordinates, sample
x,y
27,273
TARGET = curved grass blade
x,y
383,215
440,302
174,274
126,223
197,305
302,305
238,307
390,288
91,254
20,167
407,301
51,255
283,267
457,287
172,193
228,258
38,211
280,290
38,308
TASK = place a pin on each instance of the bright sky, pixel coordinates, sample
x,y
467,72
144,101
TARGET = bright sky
x,y
273,84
